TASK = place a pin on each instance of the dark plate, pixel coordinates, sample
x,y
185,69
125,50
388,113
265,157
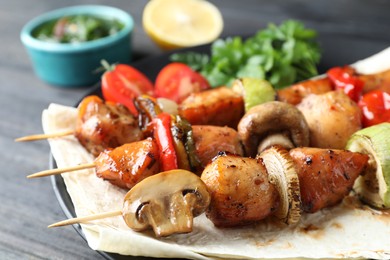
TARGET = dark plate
x,y
337,50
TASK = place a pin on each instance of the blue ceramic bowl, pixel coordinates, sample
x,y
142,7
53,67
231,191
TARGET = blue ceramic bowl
x,y
75,65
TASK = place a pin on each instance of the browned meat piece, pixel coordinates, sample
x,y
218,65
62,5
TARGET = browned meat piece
x,y
128,164
105,125
220,106
326,176
240,191
379,80
210,140
295,93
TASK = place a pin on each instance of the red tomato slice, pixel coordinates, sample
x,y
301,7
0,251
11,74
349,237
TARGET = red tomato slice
x,y
176,81
375,106
124,83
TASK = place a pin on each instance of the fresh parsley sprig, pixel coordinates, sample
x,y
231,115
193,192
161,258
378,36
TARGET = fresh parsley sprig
x,y
282,55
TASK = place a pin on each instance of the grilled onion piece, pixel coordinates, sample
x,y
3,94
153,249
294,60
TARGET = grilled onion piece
x,y
282,173
373,187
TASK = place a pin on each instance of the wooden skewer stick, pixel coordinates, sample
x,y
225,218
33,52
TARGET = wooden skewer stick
x,y
61,170
43,136
85,219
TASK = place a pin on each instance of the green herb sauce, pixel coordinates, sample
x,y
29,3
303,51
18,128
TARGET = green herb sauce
x,y
76,29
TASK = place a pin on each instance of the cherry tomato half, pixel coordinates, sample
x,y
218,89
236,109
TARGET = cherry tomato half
x,y
122,83
343,78
375,106
176,81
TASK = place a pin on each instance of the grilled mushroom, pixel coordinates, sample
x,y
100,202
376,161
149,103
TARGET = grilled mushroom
x,y
273,123
167,202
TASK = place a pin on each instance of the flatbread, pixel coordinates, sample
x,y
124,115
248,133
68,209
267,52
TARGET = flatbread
x,y
349,230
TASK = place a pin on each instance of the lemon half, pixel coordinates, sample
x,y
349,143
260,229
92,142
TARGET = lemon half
x,y
173,24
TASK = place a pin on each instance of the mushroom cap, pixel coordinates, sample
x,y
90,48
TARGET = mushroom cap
x,y
167,202
269,118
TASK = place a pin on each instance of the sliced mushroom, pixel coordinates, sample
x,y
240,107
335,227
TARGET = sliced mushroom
x,y
166,202
273,123
282,173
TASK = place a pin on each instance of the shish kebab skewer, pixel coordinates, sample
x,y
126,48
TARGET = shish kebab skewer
x,y
126,165
307,179
289,184
282,215
37,137
241,190
264,125
280,183
167,202
103,125
277,198
117,166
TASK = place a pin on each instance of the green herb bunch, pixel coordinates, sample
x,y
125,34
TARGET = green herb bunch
x,y
282,55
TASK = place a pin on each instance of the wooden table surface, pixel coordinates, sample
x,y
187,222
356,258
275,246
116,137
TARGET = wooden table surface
x,y
28,206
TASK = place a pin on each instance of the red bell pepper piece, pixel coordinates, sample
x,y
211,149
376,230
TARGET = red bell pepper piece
x,y
163,136
375,106
344,79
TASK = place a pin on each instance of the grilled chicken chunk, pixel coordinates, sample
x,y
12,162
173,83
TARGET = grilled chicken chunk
x,y
105,125
220,106
128,164
380,80
210,140
240,190
326,176
295,93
